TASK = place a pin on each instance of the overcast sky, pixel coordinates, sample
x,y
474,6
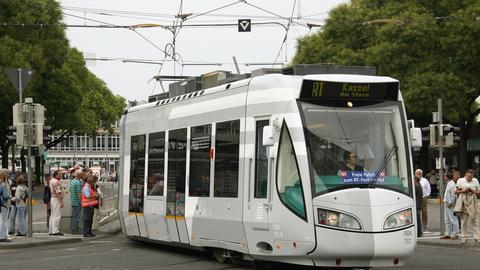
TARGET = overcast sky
x,y
193,44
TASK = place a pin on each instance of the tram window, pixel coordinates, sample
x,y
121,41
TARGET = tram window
x,y
289,183
137,173
227,141
200,161
261,162
156,161
177,156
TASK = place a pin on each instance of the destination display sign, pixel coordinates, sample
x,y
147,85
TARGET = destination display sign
x,y
349,90
360,177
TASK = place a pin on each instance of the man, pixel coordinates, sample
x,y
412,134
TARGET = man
x,y
468,188
425,192
75,199
350,159
56,203
451,221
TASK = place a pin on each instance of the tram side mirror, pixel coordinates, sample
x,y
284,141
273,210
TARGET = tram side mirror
x,y
416,137
267,139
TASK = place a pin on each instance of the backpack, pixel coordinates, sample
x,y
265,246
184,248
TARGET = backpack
x,y
47,195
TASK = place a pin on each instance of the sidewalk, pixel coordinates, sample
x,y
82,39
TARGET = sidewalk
x,y
108,225
43,239
432,236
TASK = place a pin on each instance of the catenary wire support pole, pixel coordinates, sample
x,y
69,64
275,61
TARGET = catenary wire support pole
x,y
440,157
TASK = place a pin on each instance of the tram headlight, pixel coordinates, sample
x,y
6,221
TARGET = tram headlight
x,y
337,219
399,219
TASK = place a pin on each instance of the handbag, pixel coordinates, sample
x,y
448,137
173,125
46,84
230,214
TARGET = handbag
x,y
459,204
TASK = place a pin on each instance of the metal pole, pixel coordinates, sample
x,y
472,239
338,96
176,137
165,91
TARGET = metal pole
x,y
20,86
13,159
440,155
29,168
236,64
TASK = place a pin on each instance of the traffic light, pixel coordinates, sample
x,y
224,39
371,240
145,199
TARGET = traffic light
x,y
39,120
46,132
433,134
18,123
449,134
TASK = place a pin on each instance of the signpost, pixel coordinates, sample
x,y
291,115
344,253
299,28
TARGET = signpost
x,y
244,25
23,117
19,78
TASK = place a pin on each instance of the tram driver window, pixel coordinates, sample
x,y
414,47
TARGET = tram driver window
x,y
288,176
227,140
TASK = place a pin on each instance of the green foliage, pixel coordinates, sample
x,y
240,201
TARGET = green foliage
x,y
74,98
430,46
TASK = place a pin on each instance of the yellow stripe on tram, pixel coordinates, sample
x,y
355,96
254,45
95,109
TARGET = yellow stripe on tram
x,y
175,217
135,214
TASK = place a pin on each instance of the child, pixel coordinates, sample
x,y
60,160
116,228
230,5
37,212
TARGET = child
x,y
20,198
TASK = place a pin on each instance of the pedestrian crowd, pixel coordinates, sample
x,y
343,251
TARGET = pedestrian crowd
x,y
460,202
13,201
85,199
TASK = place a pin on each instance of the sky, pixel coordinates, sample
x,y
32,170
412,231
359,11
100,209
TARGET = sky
x,y
201,45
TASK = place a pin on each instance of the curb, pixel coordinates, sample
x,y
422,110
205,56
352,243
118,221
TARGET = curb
x,y
47,242
448,244
111,232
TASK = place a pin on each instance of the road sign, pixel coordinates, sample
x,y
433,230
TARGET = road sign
x,y
244,25
15,73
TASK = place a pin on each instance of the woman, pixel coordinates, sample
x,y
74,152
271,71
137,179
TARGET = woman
x,y
89,201
21,196
4,197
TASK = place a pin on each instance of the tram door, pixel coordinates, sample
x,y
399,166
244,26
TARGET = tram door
x,y
175,211
257,175
135,222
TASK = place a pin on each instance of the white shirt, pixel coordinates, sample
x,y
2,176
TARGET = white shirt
x,y
450,195
425,187
463,183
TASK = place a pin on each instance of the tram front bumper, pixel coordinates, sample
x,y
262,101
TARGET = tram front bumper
x,y
363,249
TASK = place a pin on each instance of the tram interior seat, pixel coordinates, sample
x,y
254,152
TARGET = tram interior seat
x,y
293,197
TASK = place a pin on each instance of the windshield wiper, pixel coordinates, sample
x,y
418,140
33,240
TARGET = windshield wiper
x,y
385,160
384,163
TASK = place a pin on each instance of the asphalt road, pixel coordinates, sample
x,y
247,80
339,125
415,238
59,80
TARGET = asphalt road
x,y
117,252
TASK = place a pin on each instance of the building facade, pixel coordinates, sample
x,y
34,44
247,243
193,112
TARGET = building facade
x,y
101,149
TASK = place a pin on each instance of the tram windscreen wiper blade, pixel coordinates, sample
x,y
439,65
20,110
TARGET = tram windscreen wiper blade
x,y
384,163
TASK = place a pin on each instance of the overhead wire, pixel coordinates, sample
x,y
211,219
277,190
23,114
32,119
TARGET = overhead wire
x,y
88,19
270,12
213,10
286,36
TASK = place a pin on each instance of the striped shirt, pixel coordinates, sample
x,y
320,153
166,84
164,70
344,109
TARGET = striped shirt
x,y
75,187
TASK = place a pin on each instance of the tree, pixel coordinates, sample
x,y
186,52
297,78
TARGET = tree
x,y
33,37
430,46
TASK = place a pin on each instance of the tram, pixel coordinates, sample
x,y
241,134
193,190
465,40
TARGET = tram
x,y
256,169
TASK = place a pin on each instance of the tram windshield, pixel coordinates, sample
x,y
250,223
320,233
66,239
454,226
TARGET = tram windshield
x,y
358,146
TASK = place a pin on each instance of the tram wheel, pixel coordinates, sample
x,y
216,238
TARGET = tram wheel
x,y
236,258
218,254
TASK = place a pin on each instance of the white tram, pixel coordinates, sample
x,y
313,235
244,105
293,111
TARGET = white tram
x,y
255,168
